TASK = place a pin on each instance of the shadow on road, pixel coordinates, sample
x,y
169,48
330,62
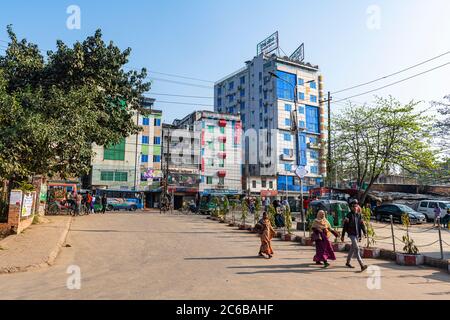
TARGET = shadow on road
x,y
224,258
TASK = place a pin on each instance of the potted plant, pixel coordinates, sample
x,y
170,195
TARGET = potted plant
x,y
244,214
309,217
225,210
369,251
233,206
410,255
287,236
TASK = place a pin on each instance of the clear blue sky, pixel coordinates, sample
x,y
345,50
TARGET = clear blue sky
x,y
210,39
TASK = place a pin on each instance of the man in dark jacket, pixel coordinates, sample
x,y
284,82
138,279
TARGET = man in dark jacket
x,y
355,228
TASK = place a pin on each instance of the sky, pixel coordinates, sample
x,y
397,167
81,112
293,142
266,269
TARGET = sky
x,y
353,42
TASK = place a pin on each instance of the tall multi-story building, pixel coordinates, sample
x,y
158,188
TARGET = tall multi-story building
x,y
134,163
263,93
204,155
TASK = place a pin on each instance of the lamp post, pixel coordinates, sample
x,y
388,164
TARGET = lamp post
x,y
294,127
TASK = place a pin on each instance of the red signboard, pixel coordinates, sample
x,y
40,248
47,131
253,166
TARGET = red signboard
x,y
269,193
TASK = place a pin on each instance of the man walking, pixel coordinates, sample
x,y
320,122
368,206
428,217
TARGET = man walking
x,y
354,227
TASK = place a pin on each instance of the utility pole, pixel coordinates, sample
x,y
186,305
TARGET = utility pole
x,y
329,157
136,155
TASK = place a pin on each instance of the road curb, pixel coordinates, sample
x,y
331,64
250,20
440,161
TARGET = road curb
x,y
50,258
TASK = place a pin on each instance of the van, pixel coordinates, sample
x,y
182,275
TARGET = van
x,y
427,207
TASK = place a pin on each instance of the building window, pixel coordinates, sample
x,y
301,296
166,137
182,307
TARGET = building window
x,y
219,102
146,121
313,98
288,167
222,130
209,180
211,145
260,76
314,155
314,169
301,124
231,85
301,109
313,140
265,95
263,183
254,184
222,163
312,119
231,98
113,176
222,181
157,122
211,129
260,103
157,140
242,80
266,109
156,158
222,146
312,85
145,139
107,176
287,107
211,162
287,137
285,85
242,93
301,82
270,184
242,105
287,152
144,158
115,152
301,96
219,91
287,122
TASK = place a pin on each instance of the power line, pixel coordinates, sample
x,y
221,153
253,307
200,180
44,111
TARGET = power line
x,y
178,95
394,83
392,74
180,83
185,103
179,76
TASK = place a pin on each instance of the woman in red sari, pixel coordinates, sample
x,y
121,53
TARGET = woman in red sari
x,y
321,234
266,236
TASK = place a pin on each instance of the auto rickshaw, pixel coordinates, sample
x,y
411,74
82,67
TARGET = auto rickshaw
x,y
336,211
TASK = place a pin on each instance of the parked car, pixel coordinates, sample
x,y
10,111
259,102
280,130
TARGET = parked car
x,y
426,207
384,212
120,204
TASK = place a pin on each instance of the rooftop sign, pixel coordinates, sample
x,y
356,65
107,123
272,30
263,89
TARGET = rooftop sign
x,y
268,45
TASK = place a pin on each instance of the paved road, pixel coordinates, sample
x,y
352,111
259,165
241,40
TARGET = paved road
x,y
149,256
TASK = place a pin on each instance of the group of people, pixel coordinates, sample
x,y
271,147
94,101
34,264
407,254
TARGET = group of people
x,y
354,228
85,202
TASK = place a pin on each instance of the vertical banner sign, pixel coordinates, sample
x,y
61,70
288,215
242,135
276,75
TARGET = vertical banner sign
x,y
27,207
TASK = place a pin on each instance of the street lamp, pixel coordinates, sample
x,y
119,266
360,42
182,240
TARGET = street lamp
x,y
294,128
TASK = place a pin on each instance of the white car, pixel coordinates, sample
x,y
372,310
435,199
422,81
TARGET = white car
x,y
427,207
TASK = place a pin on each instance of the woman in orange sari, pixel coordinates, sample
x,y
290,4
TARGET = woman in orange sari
x,y
266,237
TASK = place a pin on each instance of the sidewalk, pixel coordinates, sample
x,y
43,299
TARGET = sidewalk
x,y
36,247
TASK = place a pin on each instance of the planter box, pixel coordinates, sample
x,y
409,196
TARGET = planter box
x,y
242,227
287,237
300,226
347,247
298,239
231,224
409,259
279,234
307,242
370,253
339,246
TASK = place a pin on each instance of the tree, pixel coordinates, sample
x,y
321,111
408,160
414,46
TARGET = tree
x,y
380,139
54,108
442,125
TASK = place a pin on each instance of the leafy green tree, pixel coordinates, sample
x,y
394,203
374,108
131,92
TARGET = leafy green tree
x,y
388,136
53,108
258,206
245,210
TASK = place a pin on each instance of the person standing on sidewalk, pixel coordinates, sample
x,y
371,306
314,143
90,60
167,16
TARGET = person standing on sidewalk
x,y
79,203
437,215
104,203
355,228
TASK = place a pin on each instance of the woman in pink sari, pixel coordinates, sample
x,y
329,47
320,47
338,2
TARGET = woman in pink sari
x,y
321,234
